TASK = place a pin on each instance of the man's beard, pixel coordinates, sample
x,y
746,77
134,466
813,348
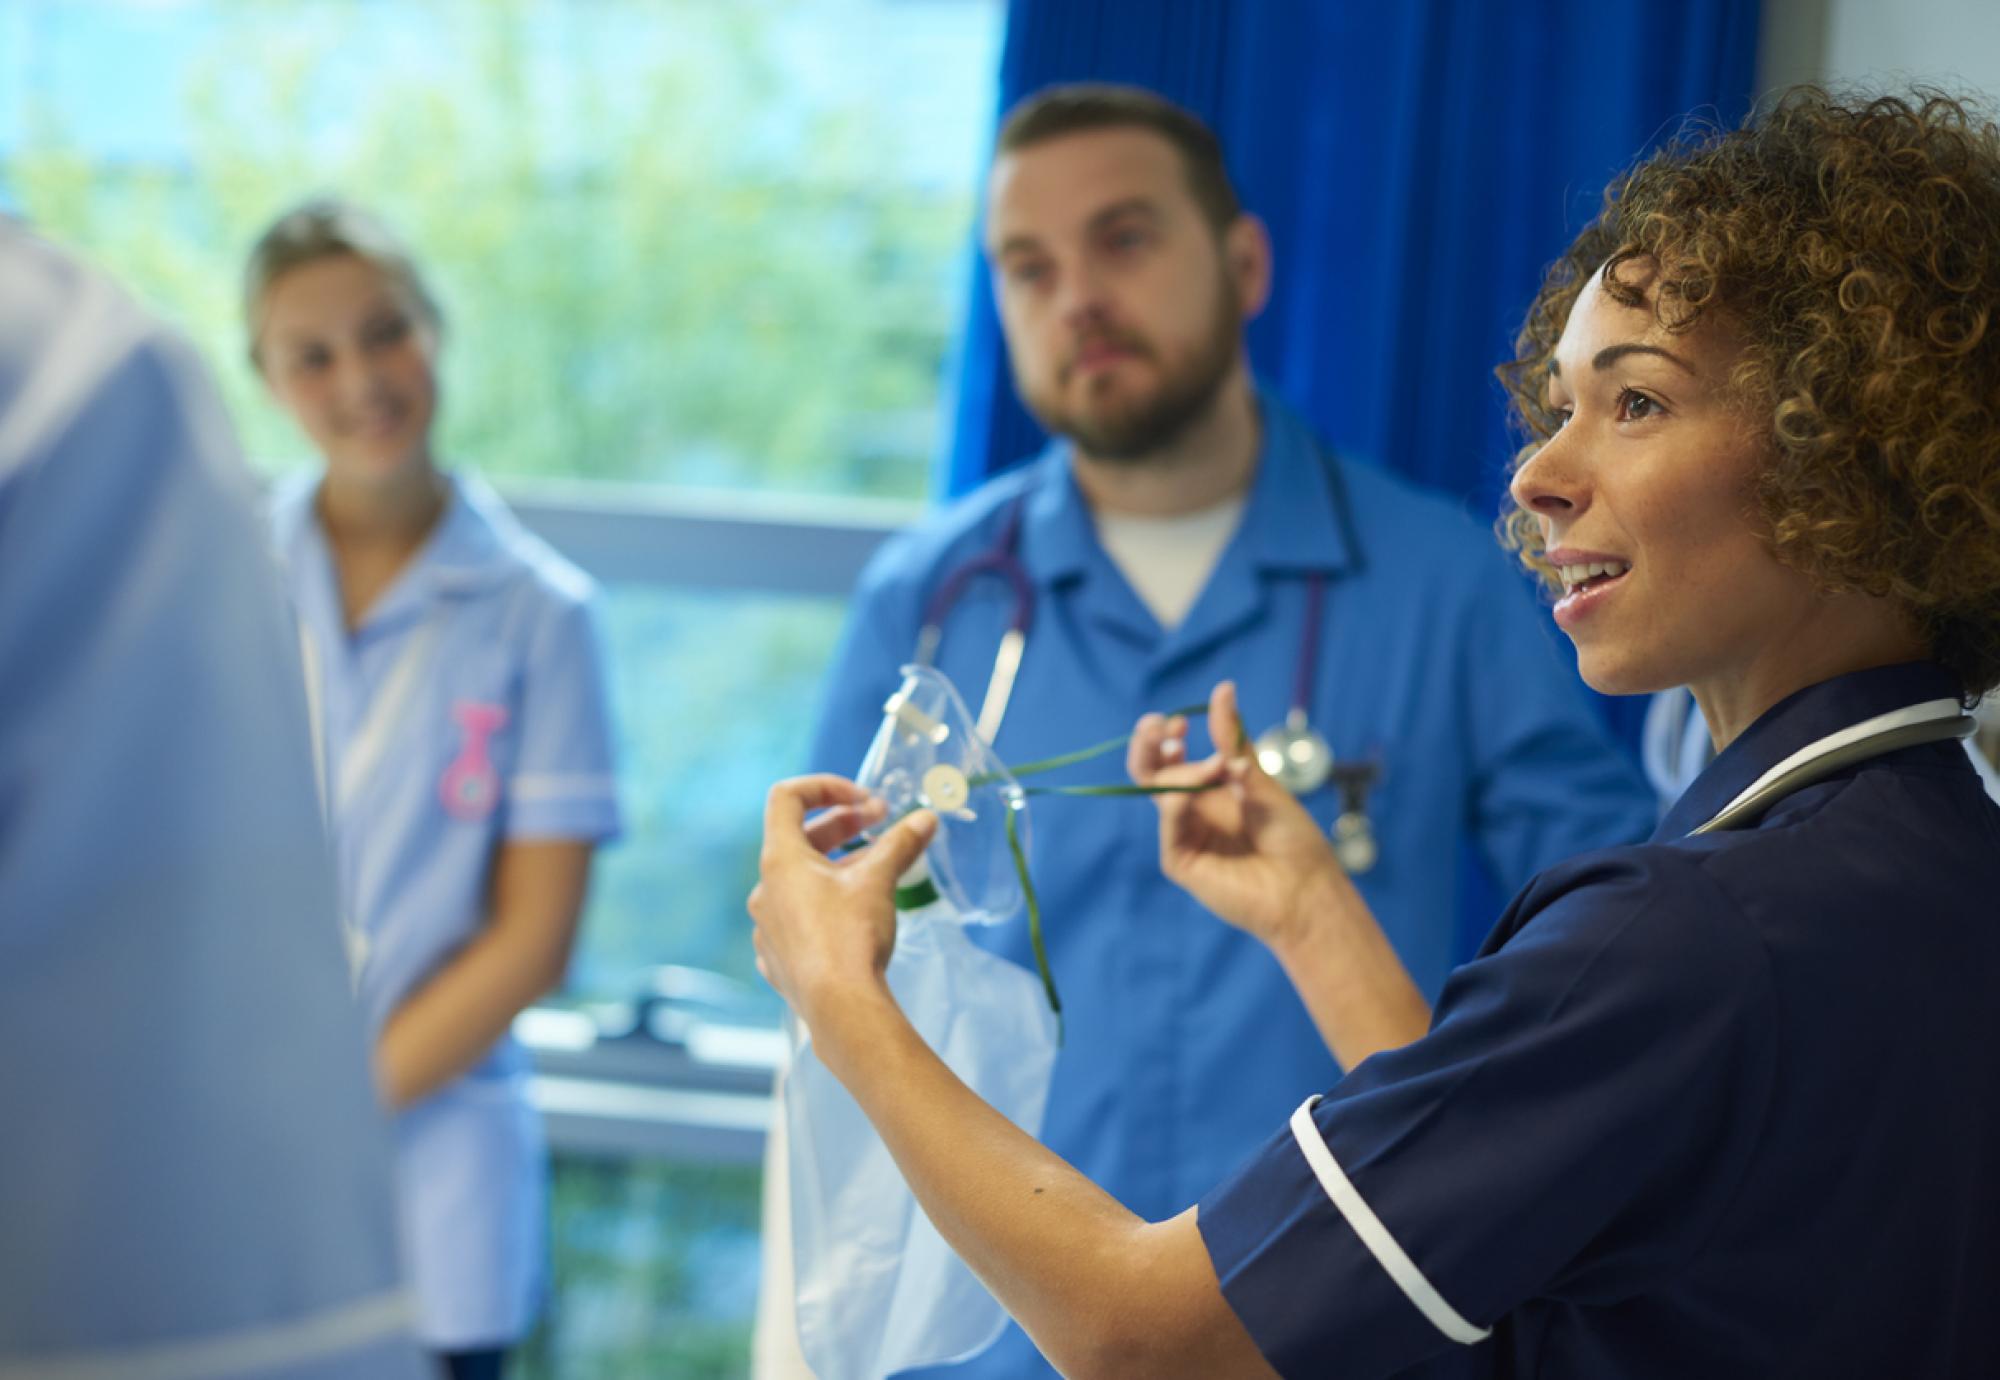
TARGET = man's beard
x,y
1134,432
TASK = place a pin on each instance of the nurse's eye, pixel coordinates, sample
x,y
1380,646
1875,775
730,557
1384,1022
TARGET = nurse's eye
x,y
1634,406
386,330
1123,239
310,361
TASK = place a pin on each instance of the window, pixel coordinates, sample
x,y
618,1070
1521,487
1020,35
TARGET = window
x,y
681,243
702,261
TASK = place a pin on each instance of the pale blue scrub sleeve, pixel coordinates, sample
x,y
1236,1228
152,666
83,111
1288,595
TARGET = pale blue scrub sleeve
x,y
1581,1114
1548,780
194,1174
564,782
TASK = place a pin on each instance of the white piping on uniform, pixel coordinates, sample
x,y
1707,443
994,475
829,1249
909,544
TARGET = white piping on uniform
x,y
547,787
365,748
367,745
315,720
1394,1261
254,1351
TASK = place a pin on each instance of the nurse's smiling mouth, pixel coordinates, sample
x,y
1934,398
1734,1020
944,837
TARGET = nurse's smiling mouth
x,y
1588,578
377,422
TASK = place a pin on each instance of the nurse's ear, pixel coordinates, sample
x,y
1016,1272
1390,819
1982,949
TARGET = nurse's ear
x,y
1246,258
255,310
255,354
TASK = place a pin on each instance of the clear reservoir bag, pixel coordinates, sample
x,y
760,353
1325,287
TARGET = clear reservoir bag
x,y
877,1289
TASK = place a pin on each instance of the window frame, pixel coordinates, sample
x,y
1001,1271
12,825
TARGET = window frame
x,y
633,1095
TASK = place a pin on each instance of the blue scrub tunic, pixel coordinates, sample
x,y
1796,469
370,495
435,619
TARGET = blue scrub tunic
x,y
1184,1040
194,1177
1718,1106
478,679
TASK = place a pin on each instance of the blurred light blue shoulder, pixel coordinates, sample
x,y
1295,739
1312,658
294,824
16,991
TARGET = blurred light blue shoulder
x,y
290,506
66,334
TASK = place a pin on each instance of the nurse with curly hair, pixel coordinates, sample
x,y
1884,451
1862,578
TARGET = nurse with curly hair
x,y
1723,1104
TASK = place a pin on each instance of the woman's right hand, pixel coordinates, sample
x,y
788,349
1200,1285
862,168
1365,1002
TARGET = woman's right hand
x,y
1245,848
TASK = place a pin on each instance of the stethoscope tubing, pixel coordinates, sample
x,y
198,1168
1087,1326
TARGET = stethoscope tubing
x,y
1003,559
1304,675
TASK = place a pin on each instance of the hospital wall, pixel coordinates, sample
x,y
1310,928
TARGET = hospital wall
x,y
1953,43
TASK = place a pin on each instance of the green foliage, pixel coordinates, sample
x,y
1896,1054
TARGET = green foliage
x,y
654,1271
661,256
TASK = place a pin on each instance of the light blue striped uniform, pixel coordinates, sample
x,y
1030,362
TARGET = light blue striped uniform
x,y
467,711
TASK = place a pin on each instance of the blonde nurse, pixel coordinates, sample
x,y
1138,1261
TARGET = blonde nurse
x,y
458,706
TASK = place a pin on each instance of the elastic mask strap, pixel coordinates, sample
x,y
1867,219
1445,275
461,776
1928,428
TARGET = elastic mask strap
x,y
1034,908
1031,901
1070,759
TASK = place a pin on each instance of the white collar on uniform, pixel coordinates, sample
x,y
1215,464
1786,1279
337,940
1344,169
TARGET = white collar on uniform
x,y
476,542
475,545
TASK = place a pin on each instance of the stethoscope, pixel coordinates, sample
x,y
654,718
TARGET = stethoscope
x,y
1001,559
1933,721
1293,753
1297,756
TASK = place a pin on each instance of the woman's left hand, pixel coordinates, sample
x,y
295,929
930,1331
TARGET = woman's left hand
x,y
825,927
1246,849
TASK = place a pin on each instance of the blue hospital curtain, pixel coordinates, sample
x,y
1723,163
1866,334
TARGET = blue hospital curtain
x,y
1418,162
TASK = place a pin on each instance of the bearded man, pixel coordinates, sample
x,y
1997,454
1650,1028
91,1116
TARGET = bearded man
x,y
1185,528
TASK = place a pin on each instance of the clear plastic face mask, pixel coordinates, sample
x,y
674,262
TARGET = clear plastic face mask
x,y
927,756
876,1289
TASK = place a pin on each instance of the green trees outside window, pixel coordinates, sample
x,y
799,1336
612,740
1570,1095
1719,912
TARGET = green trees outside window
x,y
682,241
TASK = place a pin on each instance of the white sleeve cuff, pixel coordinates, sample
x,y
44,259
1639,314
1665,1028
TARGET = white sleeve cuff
x,y
1348,1201
550,786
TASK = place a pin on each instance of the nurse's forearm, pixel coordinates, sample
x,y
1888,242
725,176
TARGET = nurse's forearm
x,y
450,1023
1101,1292
1347,973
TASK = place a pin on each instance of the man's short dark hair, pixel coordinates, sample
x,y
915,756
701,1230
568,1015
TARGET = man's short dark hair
x,y
1080,106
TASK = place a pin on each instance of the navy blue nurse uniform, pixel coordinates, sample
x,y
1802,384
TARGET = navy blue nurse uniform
x,y
1429,657
1718,1106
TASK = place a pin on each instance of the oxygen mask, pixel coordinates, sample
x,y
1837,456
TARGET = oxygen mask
x,y
927,756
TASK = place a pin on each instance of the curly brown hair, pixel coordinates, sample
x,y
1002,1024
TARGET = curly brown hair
x,y
1855,244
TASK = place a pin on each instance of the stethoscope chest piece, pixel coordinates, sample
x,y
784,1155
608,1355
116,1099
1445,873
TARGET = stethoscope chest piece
x,y
1295,755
